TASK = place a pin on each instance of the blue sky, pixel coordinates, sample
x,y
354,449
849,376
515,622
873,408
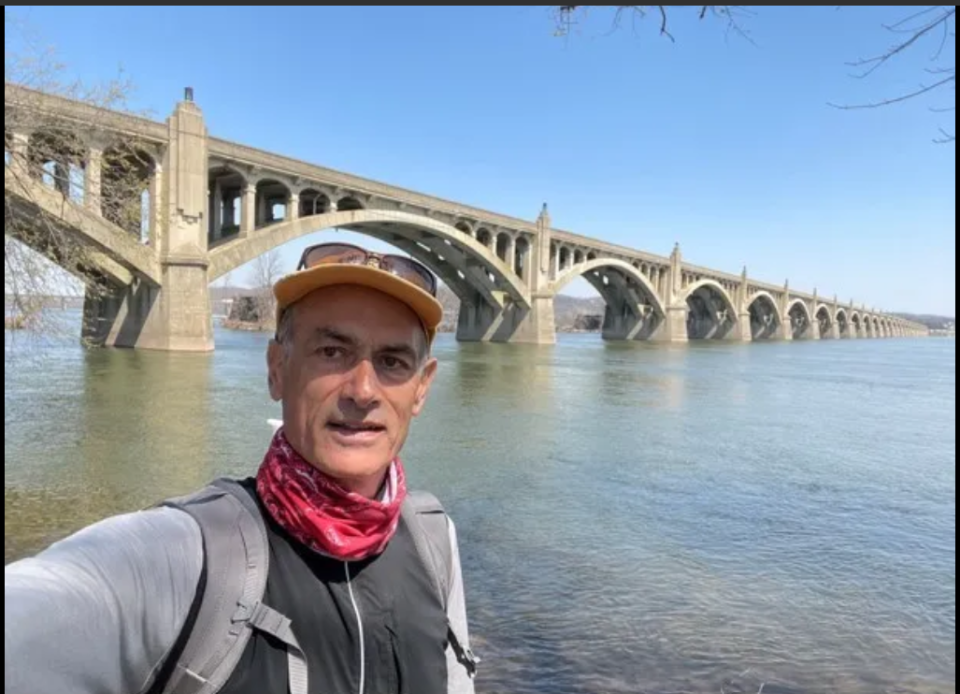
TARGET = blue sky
x,y
725,145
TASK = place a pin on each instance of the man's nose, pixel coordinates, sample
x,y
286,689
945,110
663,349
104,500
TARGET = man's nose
x,y
361,384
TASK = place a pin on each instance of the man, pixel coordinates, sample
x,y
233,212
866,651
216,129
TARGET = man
x,y
319,575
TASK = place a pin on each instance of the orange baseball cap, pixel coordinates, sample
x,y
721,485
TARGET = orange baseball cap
x,y
405,279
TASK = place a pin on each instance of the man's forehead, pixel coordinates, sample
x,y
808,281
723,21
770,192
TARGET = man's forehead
x,y
366,320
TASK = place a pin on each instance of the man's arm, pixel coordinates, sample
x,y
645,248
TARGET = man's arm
x,y
458,679
99,611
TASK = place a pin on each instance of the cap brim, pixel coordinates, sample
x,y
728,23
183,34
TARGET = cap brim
x,y
297,285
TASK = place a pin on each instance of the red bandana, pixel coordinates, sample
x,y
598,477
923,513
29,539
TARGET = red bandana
x,y
319,512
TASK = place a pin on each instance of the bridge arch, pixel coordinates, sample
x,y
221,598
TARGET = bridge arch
x,y
585,270
712,313
633,308
856,321
799,318
313,201
461,262
349,203
826,321
765,316
843,322
111,252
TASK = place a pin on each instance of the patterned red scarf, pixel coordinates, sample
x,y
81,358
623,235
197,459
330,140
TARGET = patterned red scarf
x,y
319,512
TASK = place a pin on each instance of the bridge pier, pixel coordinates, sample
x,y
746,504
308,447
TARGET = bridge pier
x,y
102,306
480,321
785,329
674,326
741,330
144,316
811,331
627,321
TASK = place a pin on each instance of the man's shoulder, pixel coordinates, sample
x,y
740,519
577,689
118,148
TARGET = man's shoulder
x,y
122,585
137,539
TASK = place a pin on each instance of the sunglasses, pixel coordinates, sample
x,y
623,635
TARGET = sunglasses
x,y
347,254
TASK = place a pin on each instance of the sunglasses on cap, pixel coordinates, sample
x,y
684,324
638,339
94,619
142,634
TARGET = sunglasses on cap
x,y
347,254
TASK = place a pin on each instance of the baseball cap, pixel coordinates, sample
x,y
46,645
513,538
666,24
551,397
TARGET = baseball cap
x,y
328,264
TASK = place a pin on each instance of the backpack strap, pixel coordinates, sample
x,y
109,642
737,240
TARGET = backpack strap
x,y
428,523
237,557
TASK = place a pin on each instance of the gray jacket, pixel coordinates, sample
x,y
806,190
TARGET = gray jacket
x,y
99,612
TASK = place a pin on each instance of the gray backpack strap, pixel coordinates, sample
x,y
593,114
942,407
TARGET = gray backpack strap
x,y
237,563
427,520
428,524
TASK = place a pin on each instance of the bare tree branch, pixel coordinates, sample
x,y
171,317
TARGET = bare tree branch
x,y
265,271
923,89
566,14
928,23
45,263
931,21
942,19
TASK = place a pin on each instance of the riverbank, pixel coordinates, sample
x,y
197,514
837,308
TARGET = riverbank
x,y
14,322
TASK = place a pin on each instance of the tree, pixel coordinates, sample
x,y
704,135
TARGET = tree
x,y
44,262
930,27
265,271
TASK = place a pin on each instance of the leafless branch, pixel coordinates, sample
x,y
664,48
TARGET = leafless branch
x,y
945,137
663,22
923,89
913,29
728,13
45,152
942,19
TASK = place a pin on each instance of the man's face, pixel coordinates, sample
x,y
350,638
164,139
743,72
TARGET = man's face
x,y
351,375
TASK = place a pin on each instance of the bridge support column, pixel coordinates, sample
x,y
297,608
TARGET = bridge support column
x,y
742,330
248,209
481,321
622,319
477,320
92,175
674,326
536,326
177,316
103,306
785,329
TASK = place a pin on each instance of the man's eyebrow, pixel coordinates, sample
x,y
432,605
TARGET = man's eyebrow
x,y
398,348
335,335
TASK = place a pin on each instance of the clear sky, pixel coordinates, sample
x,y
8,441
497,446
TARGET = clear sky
x,y
724,145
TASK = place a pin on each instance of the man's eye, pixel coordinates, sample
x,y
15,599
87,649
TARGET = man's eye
x,y
393,363
331,352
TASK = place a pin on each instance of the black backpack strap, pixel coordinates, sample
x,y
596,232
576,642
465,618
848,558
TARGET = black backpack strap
x,y
236,558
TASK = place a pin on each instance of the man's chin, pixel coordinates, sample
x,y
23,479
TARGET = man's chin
x,y
353,464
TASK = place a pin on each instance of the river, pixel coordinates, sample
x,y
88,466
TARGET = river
x,y
633,518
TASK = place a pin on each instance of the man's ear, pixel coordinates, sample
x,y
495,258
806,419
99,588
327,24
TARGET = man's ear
x,y
423,388
275,358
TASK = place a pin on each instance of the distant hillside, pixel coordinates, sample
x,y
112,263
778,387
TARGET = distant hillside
x,y
932,322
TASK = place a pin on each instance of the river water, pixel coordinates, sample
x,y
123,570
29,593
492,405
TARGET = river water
x,y
633,518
